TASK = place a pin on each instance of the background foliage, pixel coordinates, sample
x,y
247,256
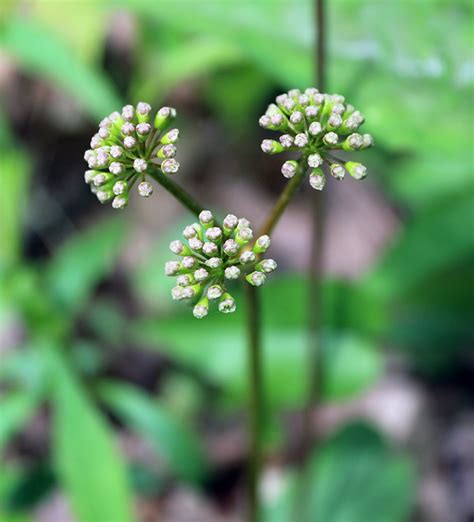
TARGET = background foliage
x,y
72,310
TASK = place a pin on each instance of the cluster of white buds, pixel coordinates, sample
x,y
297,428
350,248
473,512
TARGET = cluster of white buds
x,y
126,148
314,124
212,255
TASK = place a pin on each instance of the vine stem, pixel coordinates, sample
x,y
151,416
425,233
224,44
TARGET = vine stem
x,y
315,268
256,407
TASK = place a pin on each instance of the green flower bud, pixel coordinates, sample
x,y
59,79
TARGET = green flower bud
x,y
356,170
164,117
256,278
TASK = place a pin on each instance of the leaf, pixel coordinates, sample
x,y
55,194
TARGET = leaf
x,y
17,407
87,461
82,262
354,477
41,52
353,363
438,238
169,436
181,61
15,176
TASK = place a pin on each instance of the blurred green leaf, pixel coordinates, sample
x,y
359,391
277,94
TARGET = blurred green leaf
x,y
354,477
16,408
41,52
353,363
251,30
188,59
83,25
438,238
82,262
13,202
170,437
87,461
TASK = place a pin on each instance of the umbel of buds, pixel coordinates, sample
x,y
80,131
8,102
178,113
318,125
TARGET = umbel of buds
x,y
127,146
211,256
314,124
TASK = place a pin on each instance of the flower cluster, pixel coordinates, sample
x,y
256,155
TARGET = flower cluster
x,y
315,124
127,147
211,256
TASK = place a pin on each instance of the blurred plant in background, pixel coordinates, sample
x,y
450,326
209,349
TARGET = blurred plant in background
x,y
92,354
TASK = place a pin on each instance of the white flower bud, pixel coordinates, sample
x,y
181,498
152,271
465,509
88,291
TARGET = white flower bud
x,y
128,112
337,171
140,165
143,129
104,133
311,111
264,121
210,249
170,166
214,262
277,119
286,140
116,168
335,121
315,128
315,160
214,292
256,278
143,108
129,142
189,232
247,257
200,311
171,268
119,202
303,100
288,169
189,292
301,140
227,305
176,247
206,217
243,223
120,187
230,221
231,247
356,141
184,280
188,262
195,243
214,233
268,265
96,141
263,243
338,109
145,189
368,140
232,272
317,180
116,151
201,274
330,138
127,128
296,117
89,176
177,293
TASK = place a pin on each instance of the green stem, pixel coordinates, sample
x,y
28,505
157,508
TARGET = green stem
x,y
256,410
179,193
285,197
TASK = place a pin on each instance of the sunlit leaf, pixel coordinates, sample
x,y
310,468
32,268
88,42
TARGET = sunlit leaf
x,y
40,52
87,460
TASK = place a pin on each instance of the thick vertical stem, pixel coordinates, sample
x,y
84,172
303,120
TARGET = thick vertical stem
x,y
255,401
315,309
